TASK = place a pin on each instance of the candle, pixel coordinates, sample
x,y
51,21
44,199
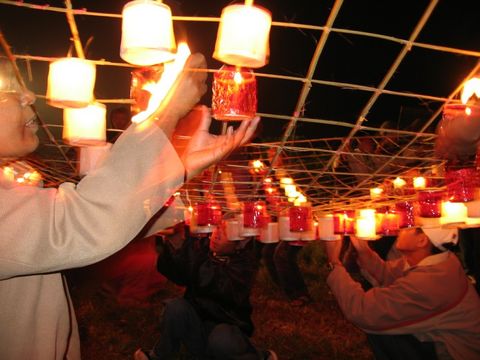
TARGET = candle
x,y
390,223
269,233
461,184
399,183
85,126
243,36
365,227
208,213
344,222
147,33
326,228
284,230
430,203
406,214
376,193
232,230
419,183
234,94
70,83
300,218
453,212
253,214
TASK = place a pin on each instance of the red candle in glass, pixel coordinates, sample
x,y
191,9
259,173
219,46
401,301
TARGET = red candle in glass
x,y
430,203
344,222
390,223
234,94
300,218
461,184
208,214
253,214
406,214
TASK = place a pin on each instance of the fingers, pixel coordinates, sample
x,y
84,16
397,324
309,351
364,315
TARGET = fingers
x,y
206,119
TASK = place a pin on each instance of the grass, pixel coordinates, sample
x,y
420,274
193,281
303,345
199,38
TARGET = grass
x,y
317,331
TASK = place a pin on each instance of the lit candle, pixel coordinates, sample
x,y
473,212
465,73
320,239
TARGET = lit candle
x,y
344,222
253,214
85,126
453,212
461,184
365,227
419,183
406,214
399,183
430,203
234,94
147,33
243,36
376,193
285,181
70,83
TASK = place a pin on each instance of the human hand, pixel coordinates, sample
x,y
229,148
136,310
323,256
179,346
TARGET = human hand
x,y
360,245
185,94
205,149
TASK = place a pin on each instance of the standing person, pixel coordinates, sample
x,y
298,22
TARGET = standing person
x,y
213,318
47,230
423,307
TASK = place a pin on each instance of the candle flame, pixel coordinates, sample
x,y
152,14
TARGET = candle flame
x,y
159,90
471,87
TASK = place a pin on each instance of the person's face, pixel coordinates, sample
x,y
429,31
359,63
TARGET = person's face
x,y
411,239
18,123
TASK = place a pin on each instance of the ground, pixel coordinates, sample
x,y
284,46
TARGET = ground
x,y
316,331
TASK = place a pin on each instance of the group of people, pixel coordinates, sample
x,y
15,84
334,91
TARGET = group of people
x,y
420,306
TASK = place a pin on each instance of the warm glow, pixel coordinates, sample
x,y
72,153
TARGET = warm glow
x,y
301,199
70,83
471,87
398,183
190,208
419,183
286,181
267,180
367,213
257,164
161,89
243,36
147,33
376,193
238,77
291,191
453,212
365,224
86,126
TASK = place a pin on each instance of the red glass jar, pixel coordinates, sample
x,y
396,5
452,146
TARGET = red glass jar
x,y
406,214
300,218
254,213
344,222
430,203
208,213
234,94
461,184
390,223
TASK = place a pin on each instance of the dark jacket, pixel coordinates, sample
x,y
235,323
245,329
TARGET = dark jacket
x,y
218,287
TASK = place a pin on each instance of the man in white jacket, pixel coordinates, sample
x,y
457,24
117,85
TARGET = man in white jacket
x,y
46,230
423,305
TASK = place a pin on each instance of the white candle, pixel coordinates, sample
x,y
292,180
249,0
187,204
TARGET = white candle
x,y
326,228
269,233
284,230
365,228
453,212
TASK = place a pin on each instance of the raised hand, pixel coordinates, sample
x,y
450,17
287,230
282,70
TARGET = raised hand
x,y
205,149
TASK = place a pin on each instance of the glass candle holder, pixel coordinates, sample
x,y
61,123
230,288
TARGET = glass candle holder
x,y
389,225
208,213
344,222
253,214
430,203
234,94
300,218
406,214
461,184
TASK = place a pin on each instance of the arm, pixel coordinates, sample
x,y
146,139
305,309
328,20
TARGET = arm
x,y
384,272
401,308
48,230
